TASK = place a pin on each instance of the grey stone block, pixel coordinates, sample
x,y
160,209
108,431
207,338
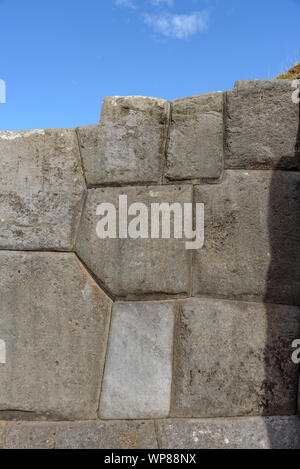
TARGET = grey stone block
x,y
299,395
262,126
135,268
129,145
81,435
41,187
2,434
195,146
54,320
234,359
237,433
252,238
138,371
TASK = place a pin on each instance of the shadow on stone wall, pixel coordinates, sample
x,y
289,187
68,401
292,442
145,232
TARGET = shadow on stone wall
x,y
283,287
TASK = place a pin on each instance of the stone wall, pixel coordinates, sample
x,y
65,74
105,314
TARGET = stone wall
x,y
123,343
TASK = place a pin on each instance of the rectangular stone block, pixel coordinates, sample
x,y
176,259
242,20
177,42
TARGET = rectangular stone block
x,y
138,370
136,268
195,145
41,189
81,435
262,125
237,433
252,238
234,359
54,322
129,144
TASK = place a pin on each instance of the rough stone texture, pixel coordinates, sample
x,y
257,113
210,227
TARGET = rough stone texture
x,y
238,433
138,370
81,435
299,396
252,238
129,145
234,359
133,268
195,148
262,126
54,320
41,189
2,434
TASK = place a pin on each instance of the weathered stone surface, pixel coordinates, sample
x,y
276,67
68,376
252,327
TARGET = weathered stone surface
x,y
234,359
81,435
252,238
262,126
2,434
54,320
129,145
299,396
138,370
237,433
41,189
133,268
195,147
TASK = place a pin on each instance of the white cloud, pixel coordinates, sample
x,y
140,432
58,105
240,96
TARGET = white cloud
x,y
178,26
125,3
131,4
163,2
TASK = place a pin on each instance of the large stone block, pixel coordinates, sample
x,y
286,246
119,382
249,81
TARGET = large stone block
x,y
234,359
130,143
81,435
262,126
54,320
41,189
252,238
195,147
237,433
138,370
135,268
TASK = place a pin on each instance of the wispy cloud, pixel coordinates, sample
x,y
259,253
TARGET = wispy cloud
x,y
163,2
177,25
131,3
125,3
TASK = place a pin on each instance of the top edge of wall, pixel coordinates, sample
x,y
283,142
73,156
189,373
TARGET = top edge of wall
x,y
239,84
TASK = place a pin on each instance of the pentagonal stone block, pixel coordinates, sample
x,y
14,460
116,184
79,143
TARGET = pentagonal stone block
x,y
54,320
81,435
138,370
252,238
41,189
134,268
262,125
234,359
236,433
129,145
195,146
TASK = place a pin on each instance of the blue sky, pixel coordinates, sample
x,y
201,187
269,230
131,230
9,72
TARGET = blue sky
x,y
60,58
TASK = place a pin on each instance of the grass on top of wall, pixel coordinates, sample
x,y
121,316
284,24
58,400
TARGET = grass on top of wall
x,y
293,73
